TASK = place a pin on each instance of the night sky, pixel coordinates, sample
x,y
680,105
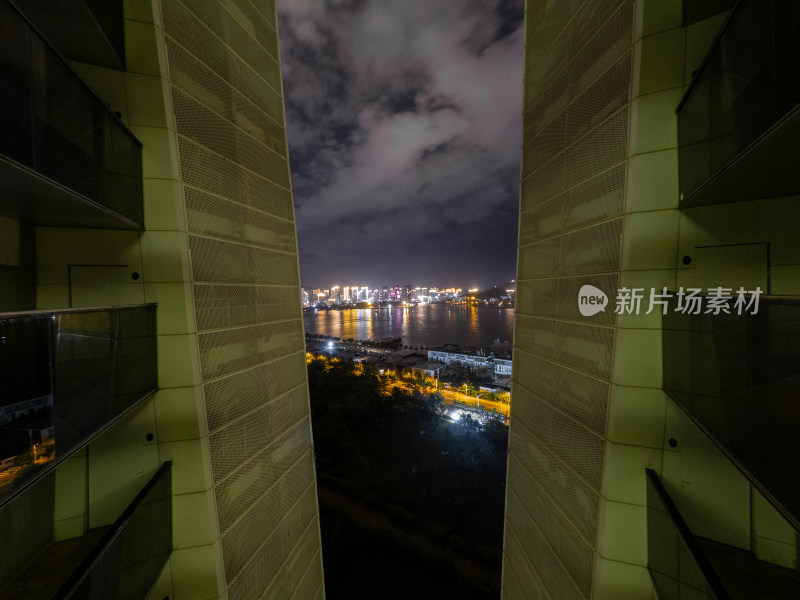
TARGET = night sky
x,y
403,119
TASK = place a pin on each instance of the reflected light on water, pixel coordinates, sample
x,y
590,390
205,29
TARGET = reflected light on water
x,y
425,325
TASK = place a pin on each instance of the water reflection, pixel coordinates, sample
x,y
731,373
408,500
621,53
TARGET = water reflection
x,y
427,325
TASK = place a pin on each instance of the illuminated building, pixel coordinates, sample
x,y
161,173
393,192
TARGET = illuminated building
x,y
659,152
473,359
161,184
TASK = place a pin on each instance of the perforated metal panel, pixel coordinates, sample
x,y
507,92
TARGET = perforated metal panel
x,y
267,560
224,70
227,179
235,305
242,488
569,210
219,217
574,346
586,251
215,260
562,569
578,61
557,297
520,580
230,397
303,573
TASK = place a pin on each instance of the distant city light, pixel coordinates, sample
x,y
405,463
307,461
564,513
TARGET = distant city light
x,y
405,296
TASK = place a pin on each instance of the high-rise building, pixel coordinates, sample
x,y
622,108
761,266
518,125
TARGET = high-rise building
x,y
153,318
653,448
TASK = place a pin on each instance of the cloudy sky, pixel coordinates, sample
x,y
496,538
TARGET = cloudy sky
x,y
404,131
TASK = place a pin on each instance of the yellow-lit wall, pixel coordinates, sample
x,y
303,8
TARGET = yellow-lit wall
x,y
203,93
599,205
578,72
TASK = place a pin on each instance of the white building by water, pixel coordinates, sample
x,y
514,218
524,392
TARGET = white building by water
x,y
472,358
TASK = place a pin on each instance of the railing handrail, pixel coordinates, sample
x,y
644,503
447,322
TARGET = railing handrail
x,y
707,57
96,553
70,311
697,553
65,63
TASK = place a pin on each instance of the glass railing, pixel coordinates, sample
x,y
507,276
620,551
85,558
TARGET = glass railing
x,y
53,124
678,567
129,558
738,377
66,375
749,81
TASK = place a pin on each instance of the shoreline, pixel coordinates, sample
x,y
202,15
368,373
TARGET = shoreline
x,y
310,309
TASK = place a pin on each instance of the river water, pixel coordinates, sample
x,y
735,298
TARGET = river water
x,y
428,325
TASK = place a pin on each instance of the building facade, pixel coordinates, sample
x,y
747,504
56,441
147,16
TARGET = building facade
x,y
152,170
656,161
501,367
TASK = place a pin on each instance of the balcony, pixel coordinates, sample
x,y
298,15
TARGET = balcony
x,y
678,566
89,31
738,378
68,375
65,159
740,118
683,565
121,560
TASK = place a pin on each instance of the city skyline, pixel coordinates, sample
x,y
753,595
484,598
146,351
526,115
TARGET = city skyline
x,y
450,285
403,123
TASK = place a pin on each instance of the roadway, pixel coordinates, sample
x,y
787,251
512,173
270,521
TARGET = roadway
x,y
452,397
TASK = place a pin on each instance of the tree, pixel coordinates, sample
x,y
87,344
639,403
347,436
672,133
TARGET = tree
x,y
497,433
484,374
437,400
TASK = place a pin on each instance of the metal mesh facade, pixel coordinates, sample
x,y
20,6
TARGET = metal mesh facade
x,y
224,70
578,61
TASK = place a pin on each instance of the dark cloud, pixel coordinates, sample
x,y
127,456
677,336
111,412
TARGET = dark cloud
x,y
509,15
404,131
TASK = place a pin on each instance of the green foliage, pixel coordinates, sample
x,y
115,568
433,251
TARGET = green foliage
x,y
378,442
336,385
469,390
484,374
497,433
